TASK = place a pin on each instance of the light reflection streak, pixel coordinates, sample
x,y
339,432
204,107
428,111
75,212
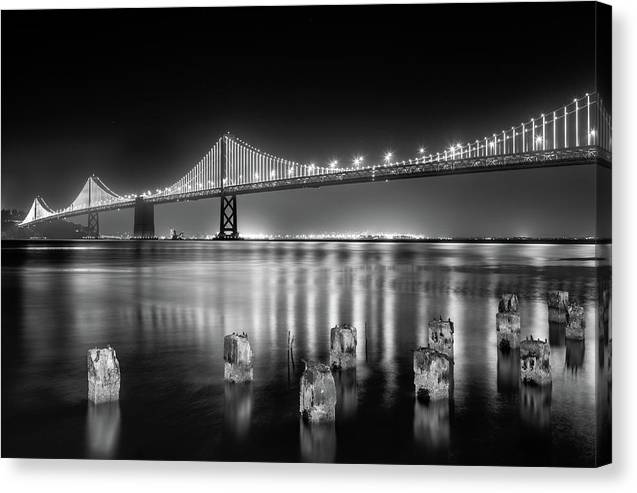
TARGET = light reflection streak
x,y
310,314
421,310
257,304
290,283
273,294
389,329
333,294
358,305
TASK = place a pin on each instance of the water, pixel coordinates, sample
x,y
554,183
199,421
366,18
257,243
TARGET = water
x,y
165,307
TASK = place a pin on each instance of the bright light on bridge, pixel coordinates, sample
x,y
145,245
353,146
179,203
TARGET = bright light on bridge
x,y
388,156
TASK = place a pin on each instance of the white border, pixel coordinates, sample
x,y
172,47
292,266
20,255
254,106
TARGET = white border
x,y
122,476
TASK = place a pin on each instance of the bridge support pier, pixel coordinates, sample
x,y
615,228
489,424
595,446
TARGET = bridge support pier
x,y
228,218
144,226
93,225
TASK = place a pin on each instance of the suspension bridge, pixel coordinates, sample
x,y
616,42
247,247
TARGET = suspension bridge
x,y
578,133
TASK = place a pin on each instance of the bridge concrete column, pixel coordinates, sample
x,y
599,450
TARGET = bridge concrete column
x,y
228,218
144,226
93,225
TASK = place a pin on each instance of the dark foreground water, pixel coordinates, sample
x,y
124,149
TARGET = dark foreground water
x,y
165,307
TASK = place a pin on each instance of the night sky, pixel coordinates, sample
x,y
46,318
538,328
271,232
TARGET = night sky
x,y
137,96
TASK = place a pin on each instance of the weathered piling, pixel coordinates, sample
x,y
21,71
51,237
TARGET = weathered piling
x,y
535,365
433,374
557,304
507,322
508,303
291,338
317,402
575,322
103,375
343,347
440,336
238,358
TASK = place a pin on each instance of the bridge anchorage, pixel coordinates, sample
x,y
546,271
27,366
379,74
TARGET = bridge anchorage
x,y
577,133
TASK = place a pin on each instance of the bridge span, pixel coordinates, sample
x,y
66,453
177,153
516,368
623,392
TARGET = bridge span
x,y
579,133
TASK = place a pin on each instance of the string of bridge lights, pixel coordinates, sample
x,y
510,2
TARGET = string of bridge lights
x,y
499,143
246,164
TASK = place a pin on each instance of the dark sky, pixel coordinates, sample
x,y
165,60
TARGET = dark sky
x,y
136,96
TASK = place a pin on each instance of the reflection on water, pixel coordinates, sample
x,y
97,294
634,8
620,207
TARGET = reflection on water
x,y
575,351
508,370
557,334
604,383
432,429
346,395
535,407
102,430
165,307
535,423
238,409
318,441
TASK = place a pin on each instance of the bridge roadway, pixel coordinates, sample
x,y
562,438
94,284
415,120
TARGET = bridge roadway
x,y
420,168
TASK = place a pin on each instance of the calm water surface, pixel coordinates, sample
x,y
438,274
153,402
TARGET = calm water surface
x,y
165,307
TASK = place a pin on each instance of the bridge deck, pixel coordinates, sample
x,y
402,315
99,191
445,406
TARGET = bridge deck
x,y
591,155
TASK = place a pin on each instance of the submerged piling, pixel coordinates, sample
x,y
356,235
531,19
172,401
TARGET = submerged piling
x,y
291,349
433,374
507,322
103,375
238,358
575,322
317,399
343,347
558,306
535,365
440,336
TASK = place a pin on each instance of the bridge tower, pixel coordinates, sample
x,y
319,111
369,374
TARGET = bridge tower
x,y
228,211
93,225
93,217
144,225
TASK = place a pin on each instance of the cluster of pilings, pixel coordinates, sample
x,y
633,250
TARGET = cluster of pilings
x,y
566,324
317,401
566,327
524,364
526,361
567,314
